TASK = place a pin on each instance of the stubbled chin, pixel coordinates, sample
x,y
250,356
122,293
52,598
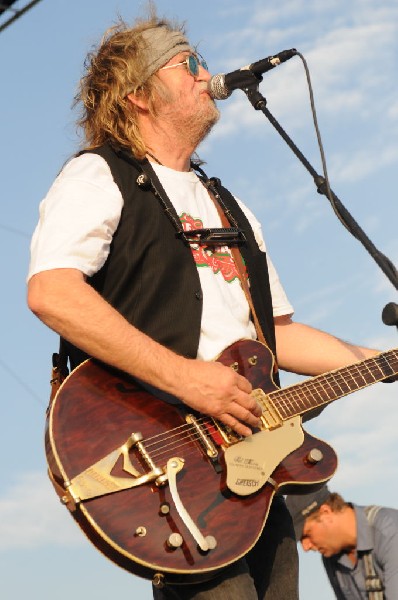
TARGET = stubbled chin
x,y
326,553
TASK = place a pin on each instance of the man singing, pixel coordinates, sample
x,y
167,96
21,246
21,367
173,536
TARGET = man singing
x,y
114,273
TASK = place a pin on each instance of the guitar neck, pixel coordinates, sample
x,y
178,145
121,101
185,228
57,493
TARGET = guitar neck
x,y
323,389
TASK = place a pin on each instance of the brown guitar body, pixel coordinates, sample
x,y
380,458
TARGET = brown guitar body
x,y
97,409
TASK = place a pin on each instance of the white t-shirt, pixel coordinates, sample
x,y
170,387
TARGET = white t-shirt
x,y
82,210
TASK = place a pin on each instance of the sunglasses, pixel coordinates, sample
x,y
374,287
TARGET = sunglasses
x,y
192,63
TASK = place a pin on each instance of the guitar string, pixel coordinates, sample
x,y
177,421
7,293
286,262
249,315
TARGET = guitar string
x,y
184,443
327,390
185,436
308,394
186,429
186,433
192,433
169,441
172,437
331,379
332,382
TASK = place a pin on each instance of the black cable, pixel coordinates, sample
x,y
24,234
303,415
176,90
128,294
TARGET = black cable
x,y
320,145
15,231
21,382
18,13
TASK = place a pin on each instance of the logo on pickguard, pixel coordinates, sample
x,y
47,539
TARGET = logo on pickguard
x,y
248,462
248,482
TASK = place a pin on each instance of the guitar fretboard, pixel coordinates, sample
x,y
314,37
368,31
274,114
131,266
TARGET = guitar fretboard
x,y
323,389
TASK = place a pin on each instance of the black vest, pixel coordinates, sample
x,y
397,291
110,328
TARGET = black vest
x,y
150,276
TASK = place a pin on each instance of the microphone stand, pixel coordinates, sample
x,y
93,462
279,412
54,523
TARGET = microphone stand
x,y
390,311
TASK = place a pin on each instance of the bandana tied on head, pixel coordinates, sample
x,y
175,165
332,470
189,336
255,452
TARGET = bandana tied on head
x,y
161,45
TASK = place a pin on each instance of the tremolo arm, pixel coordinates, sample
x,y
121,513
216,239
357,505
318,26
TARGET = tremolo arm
x,y
174,466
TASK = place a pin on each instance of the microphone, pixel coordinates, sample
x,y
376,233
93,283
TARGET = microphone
x,y
222,85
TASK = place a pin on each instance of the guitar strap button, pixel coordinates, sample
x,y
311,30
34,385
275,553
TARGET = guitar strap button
x,y
158,580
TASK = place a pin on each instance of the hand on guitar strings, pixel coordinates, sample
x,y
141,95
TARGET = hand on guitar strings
x,y
216,390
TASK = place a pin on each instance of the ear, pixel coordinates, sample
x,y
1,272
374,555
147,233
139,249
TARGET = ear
x,y
325,512
138,100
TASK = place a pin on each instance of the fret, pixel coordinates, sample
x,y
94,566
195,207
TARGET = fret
x,y
323,389
357,377
344,382
313,399
370,369
350,381
288,400
377,371
389,368
306,396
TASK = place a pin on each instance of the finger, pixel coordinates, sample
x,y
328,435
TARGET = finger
x,y
236,425
250,403
243,383
244,415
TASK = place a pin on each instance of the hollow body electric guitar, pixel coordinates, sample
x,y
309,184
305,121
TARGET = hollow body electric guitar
x,y
166,493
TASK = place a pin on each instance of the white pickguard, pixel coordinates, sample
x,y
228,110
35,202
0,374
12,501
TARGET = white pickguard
x,y
253,460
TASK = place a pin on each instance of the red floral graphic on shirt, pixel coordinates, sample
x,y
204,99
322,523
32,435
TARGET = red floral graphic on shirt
x,y
218,259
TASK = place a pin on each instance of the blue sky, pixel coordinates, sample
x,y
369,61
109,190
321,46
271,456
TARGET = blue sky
x,y
351,49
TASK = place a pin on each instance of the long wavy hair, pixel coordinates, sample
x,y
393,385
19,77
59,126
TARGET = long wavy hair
x,y
112,71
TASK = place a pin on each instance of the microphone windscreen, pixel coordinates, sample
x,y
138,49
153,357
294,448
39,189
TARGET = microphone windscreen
x,y
217,88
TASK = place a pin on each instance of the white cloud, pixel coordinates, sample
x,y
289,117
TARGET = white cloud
x,y
343,60
393,110
363,163
31,516
362,430
368,410
327,295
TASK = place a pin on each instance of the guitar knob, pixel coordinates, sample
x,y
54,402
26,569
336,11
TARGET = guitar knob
x,y
174,540
314,456
212,542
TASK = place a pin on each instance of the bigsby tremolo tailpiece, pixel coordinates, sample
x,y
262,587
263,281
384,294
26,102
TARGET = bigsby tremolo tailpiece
x,y
97,479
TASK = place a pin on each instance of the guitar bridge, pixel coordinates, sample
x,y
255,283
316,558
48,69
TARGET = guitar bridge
x,y
203,439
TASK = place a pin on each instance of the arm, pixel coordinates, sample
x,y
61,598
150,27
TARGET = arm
x,y
307,351
63,300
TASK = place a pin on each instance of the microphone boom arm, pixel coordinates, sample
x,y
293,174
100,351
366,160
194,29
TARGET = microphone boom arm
x,y
258,102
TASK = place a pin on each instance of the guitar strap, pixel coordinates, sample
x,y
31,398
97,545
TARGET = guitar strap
x,y
240,267
373,583
59,370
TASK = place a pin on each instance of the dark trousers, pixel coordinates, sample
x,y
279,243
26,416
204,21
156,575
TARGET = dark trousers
x,y
268,572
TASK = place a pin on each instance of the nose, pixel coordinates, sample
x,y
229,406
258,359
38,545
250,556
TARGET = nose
x,y
306,544
203,74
